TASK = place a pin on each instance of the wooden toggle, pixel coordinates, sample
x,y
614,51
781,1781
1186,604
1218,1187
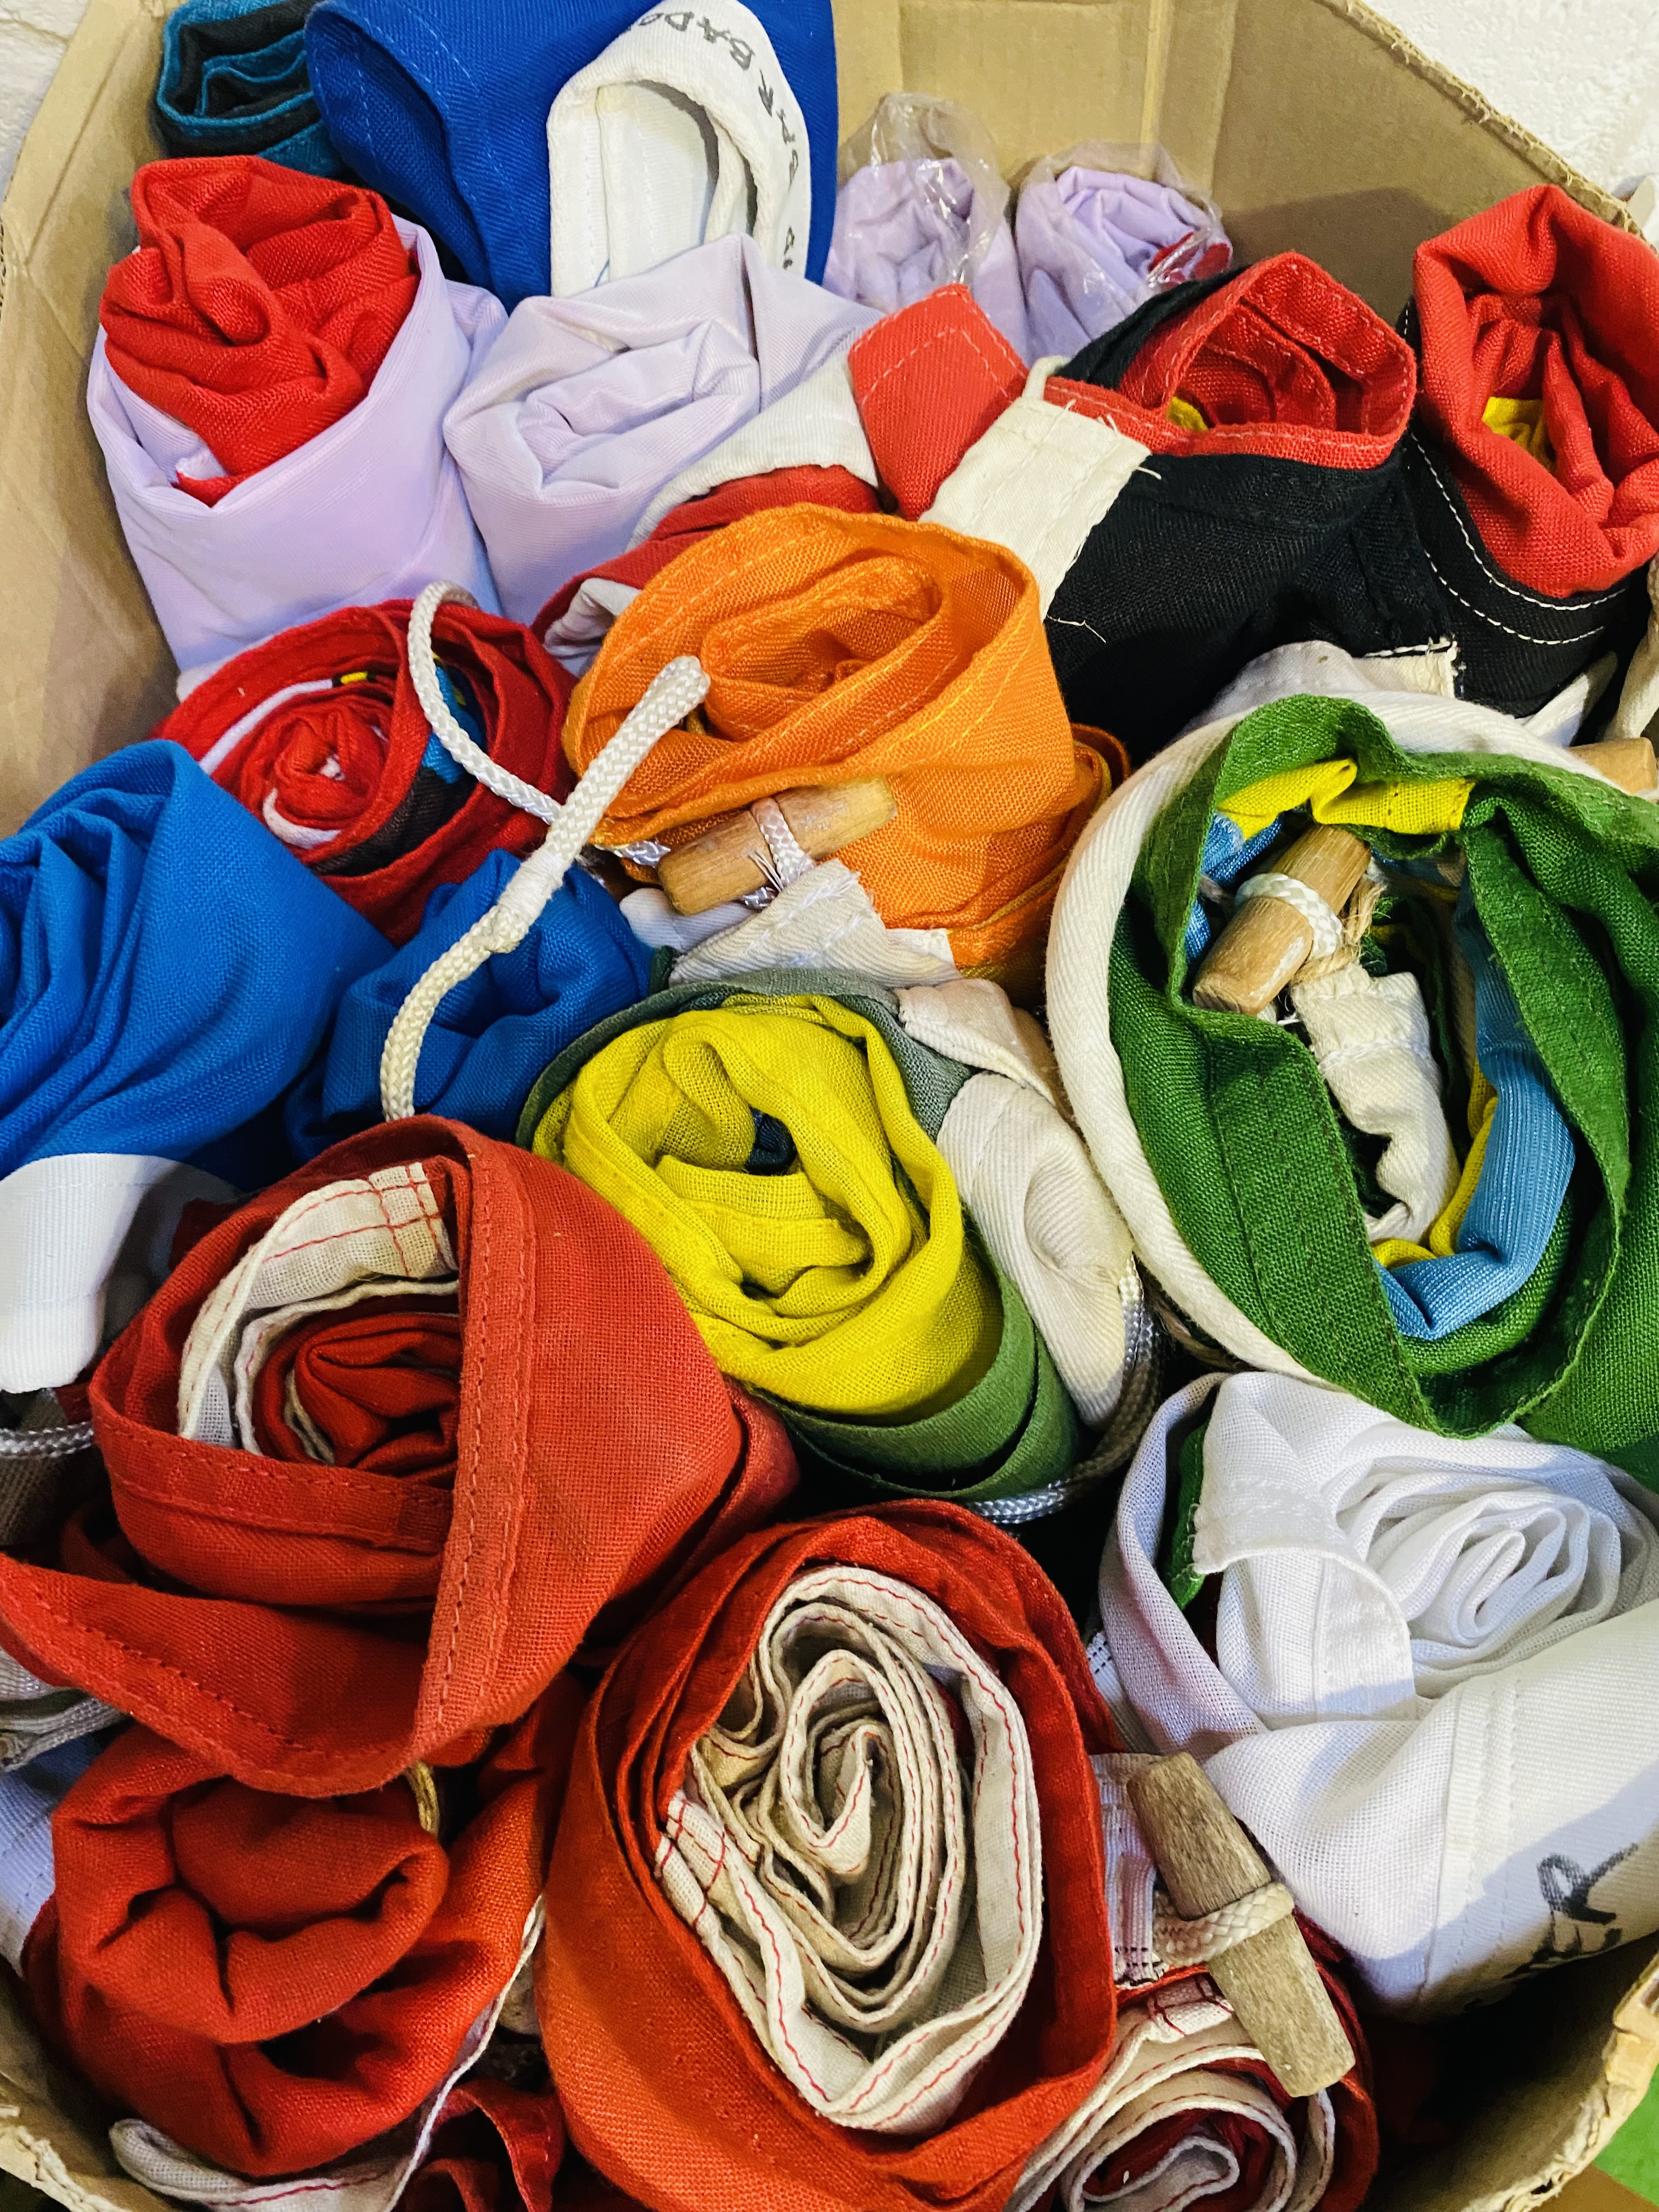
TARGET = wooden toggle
x,y
1266,940
1627,762
1207,1861
734,857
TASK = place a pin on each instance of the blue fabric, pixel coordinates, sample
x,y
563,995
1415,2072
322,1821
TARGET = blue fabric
x,y
442,106
234,81
168,968
494,1033
1227,854
1523,1177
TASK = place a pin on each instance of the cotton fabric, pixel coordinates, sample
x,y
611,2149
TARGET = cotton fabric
x,y
664,2084
258,1674
165,971
28,1801
586,407
444,109
233,81
321,735
1431,1656
844,646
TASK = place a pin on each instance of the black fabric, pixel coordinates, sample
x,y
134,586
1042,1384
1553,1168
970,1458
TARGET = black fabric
x,y
265,111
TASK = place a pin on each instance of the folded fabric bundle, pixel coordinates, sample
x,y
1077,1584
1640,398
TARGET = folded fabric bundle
x,y
273,1981
585,409
1429,1693
321,734
686,129
1217,1137
37,1718
446,109
269,388
233,81
319,1414
771,1138
922,204
963,2004
165,972
1099,229
844,646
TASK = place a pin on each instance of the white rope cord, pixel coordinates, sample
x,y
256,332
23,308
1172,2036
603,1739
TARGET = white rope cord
x,y
424,669
668,700
46,1443
1320,916
790,859
1194,1942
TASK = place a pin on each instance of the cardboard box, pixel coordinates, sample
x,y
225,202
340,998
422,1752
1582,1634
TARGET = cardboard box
x,y
1316,125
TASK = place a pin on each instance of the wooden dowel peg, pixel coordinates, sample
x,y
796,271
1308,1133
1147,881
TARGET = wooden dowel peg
x,y
734,857
1627,762
1267,939
1207,1862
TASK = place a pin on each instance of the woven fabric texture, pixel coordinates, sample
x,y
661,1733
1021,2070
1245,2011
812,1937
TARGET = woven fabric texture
x,y
233,81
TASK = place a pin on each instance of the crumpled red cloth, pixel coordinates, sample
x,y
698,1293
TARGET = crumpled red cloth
x,y
257,306
496,2148
1539,298
382,1387
275,1981
599,1455
664,2086
321,734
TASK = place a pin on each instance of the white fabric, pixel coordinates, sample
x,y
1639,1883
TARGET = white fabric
x,y
574,638
585,408
666,141
652,917
1131,1875
371,2181
64,1223
817,425
27,1871
974,1021
824,919
370,1237
369,509
1317,912
1038,482
1092,896
1432,1697
871,1894
37,1716
1164,2064
1370,1035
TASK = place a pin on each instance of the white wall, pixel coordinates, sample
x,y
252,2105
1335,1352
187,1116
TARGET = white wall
x,y
32,36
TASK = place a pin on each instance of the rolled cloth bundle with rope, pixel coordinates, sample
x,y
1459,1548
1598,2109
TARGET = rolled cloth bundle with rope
x,y
1493,1020
826,2028
773,1136
308,1428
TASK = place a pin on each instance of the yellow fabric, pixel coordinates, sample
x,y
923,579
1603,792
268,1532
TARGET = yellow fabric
x,y
840,1283
1184,412
1418,810
1396,1251
1521,422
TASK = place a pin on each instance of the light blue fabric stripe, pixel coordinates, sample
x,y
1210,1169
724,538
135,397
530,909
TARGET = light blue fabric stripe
x,y
28,1801
1227,854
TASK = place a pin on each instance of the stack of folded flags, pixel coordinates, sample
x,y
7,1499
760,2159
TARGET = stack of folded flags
x,y
627,1109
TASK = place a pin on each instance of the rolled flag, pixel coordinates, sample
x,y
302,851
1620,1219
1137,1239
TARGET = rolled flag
x,y
1429,1657
308,1427
1514,889
448,111
275,1981
321,734
863,1992
585,408
772,1137
922,204
166,971
893,650
268,387
1099,229
686,129
233,81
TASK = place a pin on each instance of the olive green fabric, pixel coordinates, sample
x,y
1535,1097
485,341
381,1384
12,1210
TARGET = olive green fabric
x,y
1239,1129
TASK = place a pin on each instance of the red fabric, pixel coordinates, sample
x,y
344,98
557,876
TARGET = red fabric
x,y
275,1982
596,1438
383,1387
495,2149
257,306
806,486
345,757
1282,362
664,2088
1539,298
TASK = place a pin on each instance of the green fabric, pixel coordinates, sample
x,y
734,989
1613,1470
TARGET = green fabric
x,y
1241,1132
1175,1567
1632,2156
1015,1429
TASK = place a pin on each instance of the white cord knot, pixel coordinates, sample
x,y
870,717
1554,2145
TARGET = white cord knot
x,y
1317,912
1194,1942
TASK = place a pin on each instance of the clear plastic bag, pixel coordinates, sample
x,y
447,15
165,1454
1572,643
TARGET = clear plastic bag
x,y
1102,228
923,203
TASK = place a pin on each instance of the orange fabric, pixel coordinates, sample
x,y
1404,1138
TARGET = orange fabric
x,y
664,2086
842,646
275,1982
597,1447
257,306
